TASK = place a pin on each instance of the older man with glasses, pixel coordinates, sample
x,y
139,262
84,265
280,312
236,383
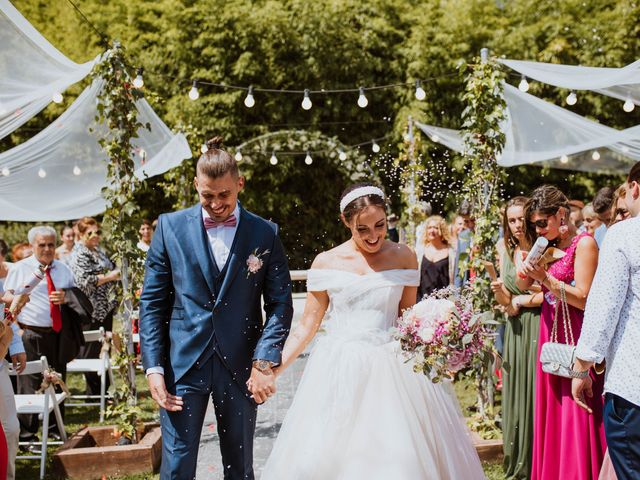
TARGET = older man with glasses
x,y
41,318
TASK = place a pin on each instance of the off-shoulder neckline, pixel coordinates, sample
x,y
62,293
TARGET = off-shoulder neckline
x,y
373,272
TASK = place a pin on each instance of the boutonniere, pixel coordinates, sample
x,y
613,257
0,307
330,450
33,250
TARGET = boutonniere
x,y
254,262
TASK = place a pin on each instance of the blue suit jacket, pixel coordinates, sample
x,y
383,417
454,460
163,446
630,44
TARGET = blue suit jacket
x,y
188,307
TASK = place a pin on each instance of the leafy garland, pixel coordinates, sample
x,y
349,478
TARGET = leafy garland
x,y
117,115
483,142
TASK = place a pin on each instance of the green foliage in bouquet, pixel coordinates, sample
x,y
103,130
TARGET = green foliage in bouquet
x,y
118,126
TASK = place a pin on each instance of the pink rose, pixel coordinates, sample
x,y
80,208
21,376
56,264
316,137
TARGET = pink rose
x,y
254,263
456,362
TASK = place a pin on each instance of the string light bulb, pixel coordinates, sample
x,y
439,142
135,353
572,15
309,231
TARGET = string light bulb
x,y
238,156
6,172
57,97
273,160
138,82
362,99
249,101
306,101
564,159
42,173
375,147
194,94
523,86
342,155
308,160
572,98
76,170
595,155
628,105
420,93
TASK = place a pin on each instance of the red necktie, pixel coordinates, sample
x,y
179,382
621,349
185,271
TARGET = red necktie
x,y
211,223
56,315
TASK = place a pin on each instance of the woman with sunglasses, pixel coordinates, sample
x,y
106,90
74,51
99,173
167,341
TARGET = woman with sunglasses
x,y
95,275
567,441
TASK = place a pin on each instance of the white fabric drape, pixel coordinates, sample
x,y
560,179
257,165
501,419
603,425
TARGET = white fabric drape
x,y
622,83
59,173
31,70
540,132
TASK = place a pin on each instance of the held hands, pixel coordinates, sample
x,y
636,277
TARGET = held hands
x,y
163,398
261,384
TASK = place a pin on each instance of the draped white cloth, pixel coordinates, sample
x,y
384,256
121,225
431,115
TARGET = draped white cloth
x,y
59,173
538,131
31,70
622,83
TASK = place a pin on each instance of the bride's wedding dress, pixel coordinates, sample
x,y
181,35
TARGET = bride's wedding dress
x,y
360,411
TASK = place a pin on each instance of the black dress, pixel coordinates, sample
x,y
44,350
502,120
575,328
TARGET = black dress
x,y
433,276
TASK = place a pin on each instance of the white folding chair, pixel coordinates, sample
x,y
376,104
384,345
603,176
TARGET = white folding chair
x,y
41,405
100,366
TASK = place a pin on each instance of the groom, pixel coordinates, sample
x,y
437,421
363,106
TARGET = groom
x,y
201,327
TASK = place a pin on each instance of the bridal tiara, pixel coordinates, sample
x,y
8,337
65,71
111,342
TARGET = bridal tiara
x,y
357,193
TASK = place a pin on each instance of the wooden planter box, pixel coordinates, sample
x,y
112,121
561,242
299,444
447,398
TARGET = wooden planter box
x,y
92,453
488,450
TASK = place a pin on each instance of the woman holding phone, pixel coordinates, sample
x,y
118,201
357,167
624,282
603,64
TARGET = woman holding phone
x,y
520,344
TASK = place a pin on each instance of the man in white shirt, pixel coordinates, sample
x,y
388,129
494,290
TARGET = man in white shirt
x,y
41,318
611,332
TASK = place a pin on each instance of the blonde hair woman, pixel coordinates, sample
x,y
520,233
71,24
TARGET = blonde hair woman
x,y
436,256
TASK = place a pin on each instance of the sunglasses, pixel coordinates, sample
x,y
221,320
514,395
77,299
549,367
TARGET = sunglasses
x,y
543,223
622,212
94,233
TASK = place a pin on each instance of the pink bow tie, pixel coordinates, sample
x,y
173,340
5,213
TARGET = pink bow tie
x,y
211,223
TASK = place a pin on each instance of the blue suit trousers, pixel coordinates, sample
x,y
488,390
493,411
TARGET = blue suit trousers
x,y
622,427
235,417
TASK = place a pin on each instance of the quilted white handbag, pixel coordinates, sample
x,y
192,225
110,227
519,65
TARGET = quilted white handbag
x,y
557,358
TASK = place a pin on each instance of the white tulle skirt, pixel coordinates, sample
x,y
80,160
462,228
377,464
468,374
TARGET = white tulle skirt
x,y
360,412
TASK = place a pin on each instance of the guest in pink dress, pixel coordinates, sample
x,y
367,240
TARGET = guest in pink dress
x,y
568,442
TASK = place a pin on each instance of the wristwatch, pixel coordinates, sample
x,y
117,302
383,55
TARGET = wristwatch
x,y
263,366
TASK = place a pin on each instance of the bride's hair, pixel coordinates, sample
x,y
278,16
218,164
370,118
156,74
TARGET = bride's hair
x,y
353,208
216,162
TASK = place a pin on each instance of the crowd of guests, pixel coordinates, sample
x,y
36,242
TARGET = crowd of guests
x,y
554,427
78,290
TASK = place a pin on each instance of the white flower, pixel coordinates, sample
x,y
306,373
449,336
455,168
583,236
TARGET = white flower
x,y
431,310
426,334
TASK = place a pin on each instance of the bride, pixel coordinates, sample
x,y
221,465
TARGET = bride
x,y
360,412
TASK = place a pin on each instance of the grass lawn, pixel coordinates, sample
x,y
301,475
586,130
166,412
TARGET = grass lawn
x,y
77,418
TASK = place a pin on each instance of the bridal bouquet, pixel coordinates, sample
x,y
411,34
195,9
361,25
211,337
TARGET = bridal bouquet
x,y
442,334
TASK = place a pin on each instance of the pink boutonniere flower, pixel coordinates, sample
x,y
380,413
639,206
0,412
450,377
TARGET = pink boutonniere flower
x,y
254,262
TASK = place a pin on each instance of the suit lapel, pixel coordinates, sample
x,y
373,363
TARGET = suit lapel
x,y
238,254
201,247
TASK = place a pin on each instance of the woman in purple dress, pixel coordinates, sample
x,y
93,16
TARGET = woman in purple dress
x,y
568,442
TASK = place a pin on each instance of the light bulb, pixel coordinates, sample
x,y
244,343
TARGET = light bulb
x,y
628,105
375,147
193,93
273,160
76,170
362,100
308,160
306,101
57,97
572,98
523,86
204,148
342,155
420,93
564,159
42,173
238,156
138,82
6,172
435,138
595,155
249,101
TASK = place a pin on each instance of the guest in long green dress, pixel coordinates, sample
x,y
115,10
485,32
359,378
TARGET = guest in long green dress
x,y
520,346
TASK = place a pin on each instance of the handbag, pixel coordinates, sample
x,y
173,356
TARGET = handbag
x,y
557,358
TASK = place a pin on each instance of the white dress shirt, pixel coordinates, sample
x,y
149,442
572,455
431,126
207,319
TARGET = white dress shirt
x,y
37,312
221,239
611,328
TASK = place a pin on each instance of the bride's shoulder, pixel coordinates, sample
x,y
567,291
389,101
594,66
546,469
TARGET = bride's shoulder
x,y
404,256
330,258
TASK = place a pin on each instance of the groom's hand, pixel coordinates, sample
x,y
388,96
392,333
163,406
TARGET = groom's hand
x,y
261,385
159,392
